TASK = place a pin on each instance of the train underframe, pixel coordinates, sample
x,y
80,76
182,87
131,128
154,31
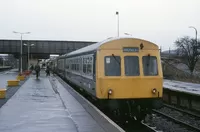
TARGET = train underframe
x,y
137,109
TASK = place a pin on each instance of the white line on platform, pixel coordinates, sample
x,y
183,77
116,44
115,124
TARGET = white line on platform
x,y
101,113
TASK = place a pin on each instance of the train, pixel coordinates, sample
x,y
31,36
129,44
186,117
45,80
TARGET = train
x,y
123,74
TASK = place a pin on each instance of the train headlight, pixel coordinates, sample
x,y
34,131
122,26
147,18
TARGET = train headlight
x,y
154,91
110,91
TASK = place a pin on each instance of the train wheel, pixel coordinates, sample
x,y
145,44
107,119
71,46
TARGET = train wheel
x,y
142,112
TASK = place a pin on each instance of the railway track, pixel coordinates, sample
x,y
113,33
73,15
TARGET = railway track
x,y
196,115
178,121
150,128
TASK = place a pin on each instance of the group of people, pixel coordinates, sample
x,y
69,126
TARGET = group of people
x,y
37,70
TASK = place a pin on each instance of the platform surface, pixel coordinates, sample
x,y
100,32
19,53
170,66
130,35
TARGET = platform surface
x,y
39,107
191,88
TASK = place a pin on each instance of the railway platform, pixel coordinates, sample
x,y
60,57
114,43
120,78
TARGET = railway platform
x,y
189,88
45,104
182,94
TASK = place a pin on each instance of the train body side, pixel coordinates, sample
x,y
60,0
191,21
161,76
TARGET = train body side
x,y
80,70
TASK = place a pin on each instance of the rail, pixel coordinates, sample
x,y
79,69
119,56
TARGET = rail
x,y
183,111
150,128
176,120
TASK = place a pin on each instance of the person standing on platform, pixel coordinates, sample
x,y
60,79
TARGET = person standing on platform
x,y
47,71
37,70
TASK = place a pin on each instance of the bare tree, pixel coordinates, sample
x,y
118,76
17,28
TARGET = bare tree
x,y
187,51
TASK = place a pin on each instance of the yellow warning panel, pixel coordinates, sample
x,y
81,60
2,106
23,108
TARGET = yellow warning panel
x,y
21,78
2,93
13,82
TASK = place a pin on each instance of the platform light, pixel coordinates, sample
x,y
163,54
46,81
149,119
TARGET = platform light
x,y
195,33
29,45
21,46
117,13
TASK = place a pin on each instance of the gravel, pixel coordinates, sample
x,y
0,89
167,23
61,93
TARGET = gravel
x,y
162,123
189,119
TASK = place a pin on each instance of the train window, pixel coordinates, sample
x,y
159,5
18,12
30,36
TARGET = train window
x,y
73,64
112,65
72,67
84,60
89,69
77,67
67,64
150,67
70,64
84,68
80,66
131,64
91,59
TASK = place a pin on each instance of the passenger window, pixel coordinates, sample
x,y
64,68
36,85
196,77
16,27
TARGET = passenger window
x,y
112,65
131,64
84,65
89,69
81,64
67,64
150,66
77,67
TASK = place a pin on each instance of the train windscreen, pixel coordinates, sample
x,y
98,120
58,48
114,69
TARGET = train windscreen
x,y
150,66
112,65
131,64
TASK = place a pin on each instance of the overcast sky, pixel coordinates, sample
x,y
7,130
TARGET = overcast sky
x,y
159,21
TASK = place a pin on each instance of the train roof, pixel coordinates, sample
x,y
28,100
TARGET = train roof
x,y
95,46
92,47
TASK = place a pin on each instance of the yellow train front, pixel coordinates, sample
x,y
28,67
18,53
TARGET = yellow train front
x,y
123,74
129,76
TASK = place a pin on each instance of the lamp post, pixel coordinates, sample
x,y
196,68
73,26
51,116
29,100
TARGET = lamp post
x,y
28,45
21,47
195,33
117,13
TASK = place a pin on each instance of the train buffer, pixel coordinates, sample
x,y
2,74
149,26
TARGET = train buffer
x,y
40,105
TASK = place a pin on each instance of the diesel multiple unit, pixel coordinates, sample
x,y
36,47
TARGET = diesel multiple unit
x,y
122,74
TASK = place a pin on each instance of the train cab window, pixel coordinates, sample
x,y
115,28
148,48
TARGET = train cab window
x,y
150,66
112,65
131,64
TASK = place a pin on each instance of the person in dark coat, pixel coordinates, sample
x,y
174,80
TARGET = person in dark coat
x,y
37,70
48,71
